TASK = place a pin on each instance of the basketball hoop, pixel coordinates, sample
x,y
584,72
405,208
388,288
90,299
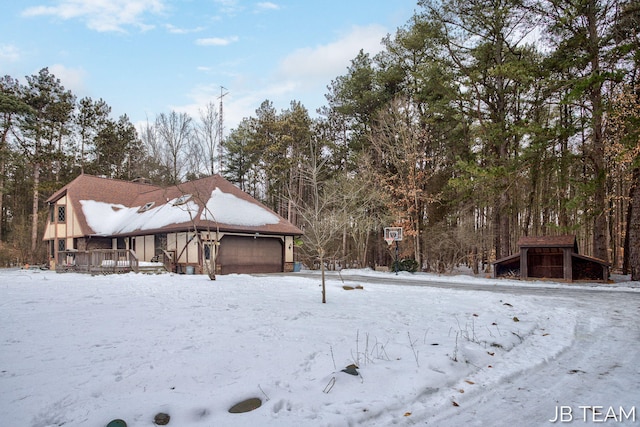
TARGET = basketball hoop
x,y
393,234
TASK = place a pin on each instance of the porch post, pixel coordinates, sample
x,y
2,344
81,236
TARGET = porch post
x,y
524,263
567,264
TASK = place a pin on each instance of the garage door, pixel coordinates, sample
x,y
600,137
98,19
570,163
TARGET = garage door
x,y
240,254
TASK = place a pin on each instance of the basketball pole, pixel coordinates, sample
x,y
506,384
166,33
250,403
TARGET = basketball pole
x,y
397,250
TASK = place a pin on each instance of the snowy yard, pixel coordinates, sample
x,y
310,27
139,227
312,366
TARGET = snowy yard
x,y
77,350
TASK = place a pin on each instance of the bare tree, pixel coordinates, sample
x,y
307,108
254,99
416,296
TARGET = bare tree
x,y
175,131
206,230
207,135
404,150
321,213
365,209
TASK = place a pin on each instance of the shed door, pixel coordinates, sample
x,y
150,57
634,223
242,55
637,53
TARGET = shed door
x,y
546,263
239,254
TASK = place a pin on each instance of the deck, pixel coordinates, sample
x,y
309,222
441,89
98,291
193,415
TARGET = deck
x,y
105,261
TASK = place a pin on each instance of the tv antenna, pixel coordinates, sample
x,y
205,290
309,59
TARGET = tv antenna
x,y
221,129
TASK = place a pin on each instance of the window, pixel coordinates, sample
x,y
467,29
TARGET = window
x,y
52,213
61,245
146,207
62,213
182,200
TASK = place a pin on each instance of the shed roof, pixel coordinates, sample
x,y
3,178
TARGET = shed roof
x,y
564,241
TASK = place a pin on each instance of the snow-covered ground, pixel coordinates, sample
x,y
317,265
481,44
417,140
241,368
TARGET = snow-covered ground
x,y
77,350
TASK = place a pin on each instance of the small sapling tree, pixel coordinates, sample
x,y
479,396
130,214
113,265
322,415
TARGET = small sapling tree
x,y
321,213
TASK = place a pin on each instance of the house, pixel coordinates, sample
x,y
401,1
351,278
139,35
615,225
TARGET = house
x,y
551,257
198,226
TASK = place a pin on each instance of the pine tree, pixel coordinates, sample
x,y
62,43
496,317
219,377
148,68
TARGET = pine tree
x,y
484,41
11,108
43,132
91,119
581,34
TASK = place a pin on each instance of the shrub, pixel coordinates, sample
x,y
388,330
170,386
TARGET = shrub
x,y
407,264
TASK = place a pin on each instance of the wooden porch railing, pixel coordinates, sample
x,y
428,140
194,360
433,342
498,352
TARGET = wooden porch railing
x,y
168,259
98,261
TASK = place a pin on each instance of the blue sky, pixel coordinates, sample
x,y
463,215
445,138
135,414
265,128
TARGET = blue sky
x,y
145,57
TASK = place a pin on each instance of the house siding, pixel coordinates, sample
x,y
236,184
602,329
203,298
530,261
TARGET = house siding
x,y
145,247
186,251
176,238
288,249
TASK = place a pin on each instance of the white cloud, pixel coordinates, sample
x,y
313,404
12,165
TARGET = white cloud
x,y
229,7
302,75
9,53
176,30
216,41
321,64
71,78
101,15
267,5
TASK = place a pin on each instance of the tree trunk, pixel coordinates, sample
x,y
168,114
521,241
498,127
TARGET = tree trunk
x,y
501,230
496,230
600,241
563,178
626,268
634,229
324,289
2,166
474,260
34,210
505,229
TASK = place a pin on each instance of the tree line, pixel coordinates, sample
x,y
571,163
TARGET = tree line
x,y
49,137
478,123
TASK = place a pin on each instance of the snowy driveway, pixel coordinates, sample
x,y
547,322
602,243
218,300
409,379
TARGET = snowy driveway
x,y
77,350
596,379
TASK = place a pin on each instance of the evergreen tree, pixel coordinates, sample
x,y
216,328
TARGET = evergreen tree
x,y
91,118
353,101
44,131
484,41
116,151
582,35
242,158
11,108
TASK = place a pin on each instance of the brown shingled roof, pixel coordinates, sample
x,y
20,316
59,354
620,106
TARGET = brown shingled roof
x,y
133,194
565,241
90,187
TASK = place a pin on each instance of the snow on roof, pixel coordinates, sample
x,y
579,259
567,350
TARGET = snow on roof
x,y
229,209
110,219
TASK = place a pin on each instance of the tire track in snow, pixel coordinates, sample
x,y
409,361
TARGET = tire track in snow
x,y
591,370
531,398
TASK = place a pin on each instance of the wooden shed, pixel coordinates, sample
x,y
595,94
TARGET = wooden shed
x,y
551,257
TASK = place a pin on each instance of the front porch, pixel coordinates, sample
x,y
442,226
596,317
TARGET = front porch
x,y
108,261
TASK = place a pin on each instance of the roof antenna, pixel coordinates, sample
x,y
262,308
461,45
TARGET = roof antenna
x,y
221,130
